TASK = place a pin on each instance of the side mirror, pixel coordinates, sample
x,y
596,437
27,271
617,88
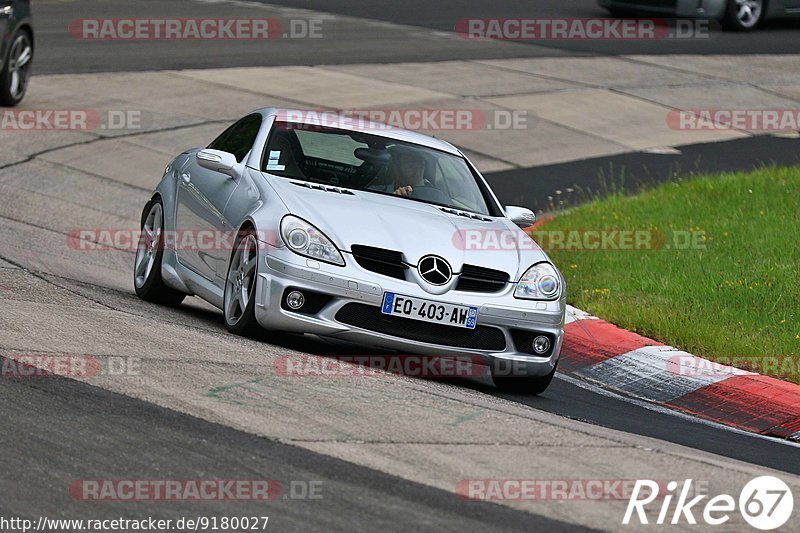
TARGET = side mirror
x,y
218,161
520,216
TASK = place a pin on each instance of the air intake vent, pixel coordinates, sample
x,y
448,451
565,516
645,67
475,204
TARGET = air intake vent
x,y
386,262
370,318
465,214
318,187
479,279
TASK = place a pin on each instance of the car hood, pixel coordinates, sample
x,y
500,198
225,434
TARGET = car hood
x,y
414,228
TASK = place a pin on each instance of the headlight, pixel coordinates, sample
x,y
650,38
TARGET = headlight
x,y
540,282
304,239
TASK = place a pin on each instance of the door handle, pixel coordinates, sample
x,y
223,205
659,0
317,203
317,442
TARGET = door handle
x,y
186,177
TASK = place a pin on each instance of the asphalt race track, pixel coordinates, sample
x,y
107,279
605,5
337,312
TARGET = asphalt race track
x,y
148,438
776,38
388,451
358,35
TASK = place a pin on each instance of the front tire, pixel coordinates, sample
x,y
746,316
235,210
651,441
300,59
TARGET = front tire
x,y
16,70
743,15
528,385
239,301
147,279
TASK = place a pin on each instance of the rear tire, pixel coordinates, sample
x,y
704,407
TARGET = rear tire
x,y
147,279
16,69
743,15
529,385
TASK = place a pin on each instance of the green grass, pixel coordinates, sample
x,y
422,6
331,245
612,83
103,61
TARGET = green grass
x,y
739,297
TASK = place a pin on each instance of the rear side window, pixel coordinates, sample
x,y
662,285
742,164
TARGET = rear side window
x,y
239,138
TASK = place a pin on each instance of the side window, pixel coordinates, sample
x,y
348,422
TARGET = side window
x,y
239,138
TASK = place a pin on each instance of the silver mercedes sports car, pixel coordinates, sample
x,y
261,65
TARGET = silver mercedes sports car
x,y
326,224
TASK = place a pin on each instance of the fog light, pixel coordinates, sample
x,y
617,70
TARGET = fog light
x,y
295,300
541,344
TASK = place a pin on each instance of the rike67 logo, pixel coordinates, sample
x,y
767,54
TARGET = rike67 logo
x,y
765,503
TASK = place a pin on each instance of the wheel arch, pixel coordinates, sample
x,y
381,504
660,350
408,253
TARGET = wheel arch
x,y
148,205
247,224
28,28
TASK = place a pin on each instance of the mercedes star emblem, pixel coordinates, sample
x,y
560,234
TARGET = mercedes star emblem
x,y
435,270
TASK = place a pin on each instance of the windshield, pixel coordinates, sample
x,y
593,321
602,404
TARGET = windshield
x,y
372,163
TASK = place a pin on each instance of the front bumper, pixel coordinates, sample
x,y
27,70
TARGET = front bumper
x,y
281,269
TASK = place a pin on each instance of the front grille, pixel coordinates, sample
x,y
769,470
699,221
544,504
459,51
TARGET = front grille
x,y
479,279
370,318
386,262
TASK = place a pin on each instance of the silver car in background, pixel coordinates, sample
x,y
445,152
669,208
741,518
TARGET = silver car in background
x,y
736,15
356,231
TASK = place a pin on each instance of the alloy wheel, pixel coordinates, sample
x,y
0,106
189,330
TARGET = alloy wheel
x,y
241,282
748,12
148,244
19,59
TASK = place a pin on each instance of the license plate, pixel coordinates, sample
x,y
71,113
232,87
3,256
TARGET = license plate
x,y
460,316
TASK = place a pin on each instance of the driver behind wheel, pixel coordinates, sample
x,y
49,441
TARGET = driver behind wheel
x,y
405,171
409,173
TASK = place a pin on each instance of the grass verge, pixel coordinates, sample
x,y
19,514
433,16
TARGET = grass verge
x,y
710,265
